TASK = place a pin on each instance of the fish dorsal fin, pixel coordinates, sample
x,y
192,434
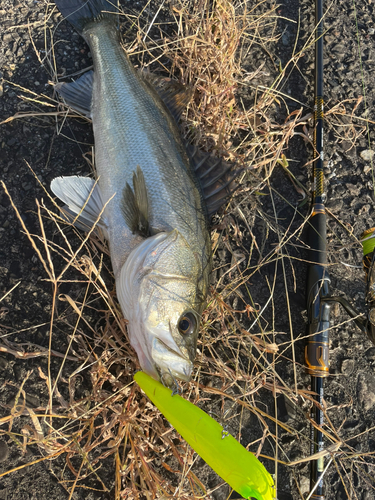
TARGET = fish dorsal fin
x,y
216,178
83,199
174,95
134,205
78,94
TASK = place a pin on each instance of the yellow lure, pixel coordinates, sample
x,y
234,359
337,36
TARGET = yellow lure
x,y
224,454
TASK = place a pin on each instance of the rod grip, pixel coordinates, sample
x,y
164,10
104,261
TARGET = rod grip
x,y
318,282
317,348
317,236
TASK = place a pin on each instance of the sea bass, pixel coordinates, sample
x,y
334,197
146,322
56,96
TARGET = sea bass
x,y
152,198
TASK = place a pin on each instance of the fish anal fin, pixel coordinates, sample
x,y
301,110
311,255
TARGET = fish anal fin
x,y
217,178
78,94
175,95
134,205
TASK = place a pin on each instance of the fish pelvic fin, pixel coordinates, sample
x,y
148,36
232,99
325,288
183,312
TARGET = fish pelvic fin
x,y
78,94
84,202
134,205
82,12
217,178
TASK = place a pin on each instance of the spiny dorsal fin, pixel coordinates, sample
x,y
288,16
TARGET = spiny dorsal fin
x,y
174,95
134,205
216,178
78,94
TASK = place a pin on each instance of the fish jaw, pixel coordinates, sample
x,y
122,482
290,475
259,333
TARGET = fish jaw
x,y
156,287
170,364
161,360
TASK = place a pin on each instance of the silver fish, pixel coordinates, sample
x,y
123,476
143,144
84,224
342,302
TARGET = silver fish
x,y
151,201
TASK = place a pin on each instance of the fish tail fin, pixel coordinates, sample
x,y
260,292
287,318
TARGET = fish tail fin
x,y
82,12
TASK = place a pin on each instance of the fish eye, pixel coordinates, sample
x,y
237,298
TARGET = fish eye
x,y
187,323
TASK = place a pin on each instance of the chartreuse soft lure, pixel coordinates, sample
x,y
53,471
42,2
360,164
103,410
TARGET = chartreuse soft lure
x,y
226,456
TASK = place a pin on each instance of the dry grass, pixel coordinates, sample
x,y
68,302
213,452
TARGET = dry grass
x,y
113,426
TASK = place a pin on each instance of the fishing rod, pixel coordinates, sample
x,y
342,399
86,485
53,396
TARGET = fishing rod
x,y
318,280
318,295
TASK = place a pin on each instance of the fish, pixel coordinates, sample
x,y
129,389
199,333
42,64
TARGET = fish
x,y
152,198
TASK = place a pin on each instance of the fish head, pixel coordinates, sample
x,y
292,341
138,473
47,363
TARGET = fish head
x,y
161,290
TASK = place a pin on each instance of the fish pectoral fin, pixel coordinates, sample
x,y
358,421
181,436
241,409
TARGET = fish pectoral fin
x,y
134,205
216,177
174,95
83,199
78,94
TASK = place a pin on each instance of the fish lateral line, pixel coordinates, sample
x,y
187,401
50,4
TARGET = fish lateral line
x,y
143,163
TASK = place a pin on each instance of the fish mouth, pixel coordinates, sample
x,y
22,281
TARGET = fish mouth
x,y
170,364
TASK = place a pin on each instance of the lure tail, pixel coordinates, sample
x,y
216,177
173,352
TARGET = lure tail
x,y
80,13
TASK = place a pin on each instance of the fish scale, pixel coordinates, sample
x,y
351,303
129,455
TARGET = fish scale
x,y
147,200
145,135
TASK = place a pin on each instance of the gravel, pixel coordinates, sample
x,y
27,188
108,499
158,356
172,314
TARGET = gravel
x,y
25,311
